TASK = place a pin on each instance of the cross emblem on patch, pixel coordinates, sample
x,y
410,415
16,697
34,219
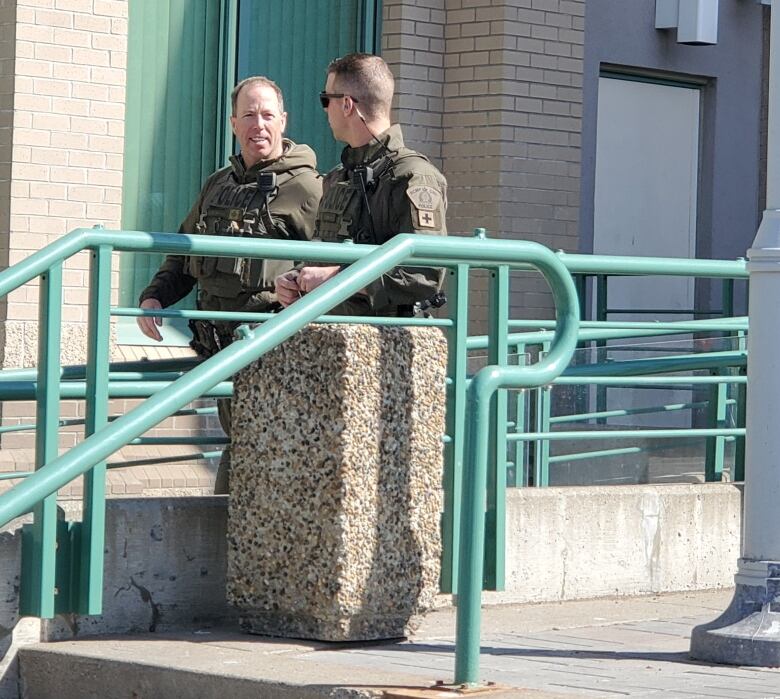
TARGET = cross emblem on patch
x,y
426,220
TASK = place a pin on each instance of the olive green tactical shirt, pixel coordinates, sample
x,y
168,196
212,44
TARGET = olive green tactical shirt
x,y
404,193
230,204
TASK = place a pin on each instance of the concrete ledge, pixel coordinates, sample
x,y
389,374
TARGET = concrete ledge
x,y
575,543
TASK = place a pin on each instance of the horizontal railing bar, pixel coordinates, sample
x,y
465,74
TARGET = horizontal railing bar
x,y
581,456
259,317
639,381
655,365
488,253
164,459
580,417
78,371
627,434
599,330
27,390
163,441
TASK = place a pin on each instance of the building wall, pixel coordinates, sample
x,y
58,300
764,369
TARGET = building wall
x,y
510,117
730,199
67,145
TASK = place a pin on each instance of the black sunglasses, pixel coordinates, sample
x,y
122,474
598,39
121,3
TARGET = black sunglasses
x,y
326,97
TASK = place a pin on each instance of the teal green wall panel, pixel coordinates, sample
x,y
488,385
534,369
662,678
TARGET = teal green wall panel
x,y
292,42
172,124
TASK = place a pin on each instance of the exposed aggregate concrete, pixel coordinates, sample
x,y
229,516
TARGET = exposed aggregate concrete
x,y
334,514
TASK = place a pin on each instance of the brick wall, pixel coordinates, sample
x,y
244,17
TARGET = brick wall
x,y
7,54
66,163
511,97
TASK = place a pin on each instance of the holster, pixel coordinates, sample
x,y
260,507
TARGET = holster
x,y
207,339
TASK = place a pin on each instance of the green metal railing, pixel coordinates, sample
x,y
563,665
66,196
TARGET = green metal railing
x,y
50,584
475,477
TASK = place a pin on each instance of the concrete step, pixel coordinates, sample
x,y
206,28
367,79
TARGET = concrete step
x,y
587,648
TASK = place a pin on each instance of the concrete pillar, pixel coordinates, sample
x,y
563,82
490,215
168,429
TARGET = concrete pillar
x,y
748,632
335,489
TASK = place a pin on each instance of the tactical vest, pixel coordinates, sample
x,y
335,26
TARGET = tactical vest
x,y
343,214
234,210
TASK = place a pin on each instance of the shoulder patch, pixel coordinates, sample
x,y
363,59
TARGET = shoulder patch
x,y
424,197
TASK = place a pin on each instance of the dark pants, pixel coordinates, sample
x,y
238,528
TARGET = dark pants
x,y
222,483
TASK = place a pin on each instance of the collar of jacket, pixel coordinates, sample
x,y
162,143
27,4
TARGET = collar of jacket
x,y
294,156
390,140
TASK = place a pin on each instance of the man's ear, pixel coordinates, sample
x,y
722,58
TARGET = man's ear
x,y
233,125
284,121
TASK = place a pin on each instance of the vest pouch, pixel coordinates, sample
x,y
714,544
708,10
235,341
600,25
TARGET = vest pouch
x,y
229,265
336,211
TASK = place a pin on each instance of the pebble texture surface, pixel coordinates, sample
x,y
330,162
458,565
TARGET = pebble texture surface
x,y
333,527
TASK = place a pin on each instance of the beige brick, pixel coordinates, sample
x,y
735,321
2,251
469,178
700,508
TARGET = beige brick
x,y
92,24
24,49
21,154
49,156
71,72
85,193
108,76
89,91
20,189
109,42
74,141
46,224
21,206
104,212
107,178
68,209
119,26
88,125
112,195
72,37
108,110
91,57
34,3
112,8
116,128
107,144
51,122
34,33
73,107
54,18
30,172
55,88
68,175
86,159
38,69
75,5
45,190
119,59
31,137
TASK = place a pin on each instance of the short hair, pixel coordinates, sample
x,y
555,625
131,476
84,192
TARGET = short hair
x,y
263,81
368,79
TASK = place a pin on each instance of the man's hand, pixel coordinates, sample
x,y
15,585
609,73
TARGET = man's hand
x,y
149,324
290,285
310,278
287,289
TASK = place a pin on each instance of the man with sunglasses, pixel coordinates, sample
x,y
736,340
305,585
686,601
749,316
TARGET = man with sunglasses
x,y
380,189
270,190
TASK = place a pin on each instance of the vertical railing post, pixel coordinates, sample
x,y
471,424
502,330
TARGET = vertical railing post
x,y
601,315
521,410
716,419
90,592
498,355
457,370
37,596
542,424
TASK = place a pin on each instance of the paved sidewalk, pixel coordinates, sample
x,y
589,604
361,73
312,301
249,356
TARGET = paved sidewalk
x,y
635,647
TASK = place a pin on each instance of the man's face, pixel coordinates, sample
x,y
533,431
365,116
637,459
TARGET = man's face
x,y
335,110
258,124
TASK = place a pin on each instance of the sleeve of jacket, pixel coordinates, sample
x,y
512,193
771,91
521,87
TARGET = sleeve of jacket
x,y
405,286
171,283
